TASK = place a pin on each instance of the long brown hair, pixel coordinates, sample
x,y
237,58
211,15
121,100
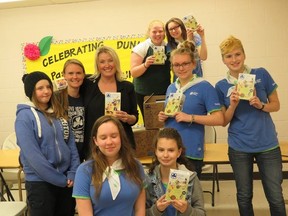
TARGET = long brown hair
x,y
54,104
168,133
132,169
170,40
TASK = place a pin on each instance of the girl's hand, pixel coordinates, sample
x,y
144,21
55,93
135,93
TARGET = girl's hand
x,y
162,117
182,117
70,183
122,116
234,98
255,102
200,30
149,60
180,205
162,203
190,36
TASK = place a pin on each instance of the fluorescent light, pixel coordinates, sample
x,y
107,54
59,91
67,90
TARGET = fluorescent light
x,y
6,1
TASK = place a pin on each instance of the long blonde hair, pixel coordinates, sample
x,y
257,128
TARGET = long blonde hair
x,y
113,54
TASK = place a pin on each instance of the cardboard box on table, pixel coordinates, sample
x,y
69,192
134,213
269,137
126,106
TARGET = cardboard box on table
x,y
153,104
144,141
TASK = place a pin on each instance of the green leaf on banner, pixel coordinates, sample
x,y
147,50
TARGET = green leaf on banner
x,y
44,45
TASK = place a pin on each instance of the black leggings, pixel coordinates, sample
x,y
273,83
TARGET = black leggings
x,y
140,101
46,199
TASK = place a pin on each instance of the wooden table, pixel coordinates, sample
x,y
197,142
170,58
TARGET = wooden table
x,y
217,153
9,159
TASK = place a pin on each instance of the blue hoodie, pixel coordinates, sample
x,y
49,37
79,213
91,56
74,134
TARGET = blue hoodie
x,y
45,154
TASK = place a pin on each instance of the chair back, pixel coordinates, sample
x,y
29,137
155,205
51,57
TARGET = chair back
x,y
10,142
210,134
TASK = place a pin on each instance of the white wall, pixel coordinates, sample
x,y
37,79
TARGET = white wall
x,y
260,24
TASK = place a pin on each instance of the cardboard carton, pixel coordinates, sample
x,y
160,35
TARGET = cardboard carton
x,y
144,141
152,106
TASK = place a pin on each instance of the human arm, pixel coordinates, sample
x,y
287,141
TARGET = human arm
x,y
194,203
125,117
197,200
129,112
214,119
74,161
203,53
200,43
157,208
139,206
81,189
229,112
162,117
138,68
84,207
34,151
272,105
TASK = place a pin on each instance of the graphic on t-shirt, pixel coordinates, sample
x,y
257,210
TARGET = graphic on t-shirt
x,y
76,116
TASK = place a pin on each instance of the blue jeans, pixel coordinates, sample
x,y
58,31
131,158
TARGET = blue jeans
x,y
270,168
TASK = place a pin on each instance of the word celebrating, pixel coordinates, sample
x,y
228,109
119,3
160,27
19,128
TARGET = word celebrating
x,y
71,52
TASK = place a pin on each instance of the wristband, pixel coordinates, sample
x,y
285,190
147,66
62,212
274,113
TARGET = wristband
x,y
144,65
192,119
263,105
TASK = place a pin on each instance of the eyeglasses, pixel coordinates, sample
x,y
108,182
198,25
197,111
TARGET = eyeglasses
x,y
174,28
183,65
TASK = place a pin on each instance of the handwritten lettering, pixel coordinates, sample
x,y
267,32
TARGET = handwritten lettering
x,y
126,44
71,53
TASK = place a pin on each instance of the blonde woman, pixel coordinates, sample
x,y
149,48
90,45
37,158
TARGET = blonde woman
x,y
107,78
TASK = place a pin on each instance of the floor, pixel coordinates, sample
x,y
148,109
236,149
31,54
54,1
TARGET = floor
x,y
225,200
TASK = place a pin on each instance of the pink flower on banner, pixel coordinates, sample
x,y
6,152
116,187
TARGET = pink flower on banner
x,y
32,51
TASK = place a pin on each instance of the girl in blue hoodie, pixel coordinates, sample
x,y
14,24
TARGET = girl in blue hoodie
x,y
48,152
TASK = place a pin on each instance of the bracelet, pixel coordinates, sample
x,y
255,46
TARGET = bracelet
x,y
192,119
144,65
263,105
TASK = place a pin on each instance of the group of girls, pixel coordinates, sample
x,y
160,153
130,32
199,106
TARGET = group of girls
x,y
111,181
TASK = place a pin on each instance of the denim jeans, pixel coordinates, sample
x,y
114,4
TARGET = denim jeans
x,y
270,168
195,165
49,200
